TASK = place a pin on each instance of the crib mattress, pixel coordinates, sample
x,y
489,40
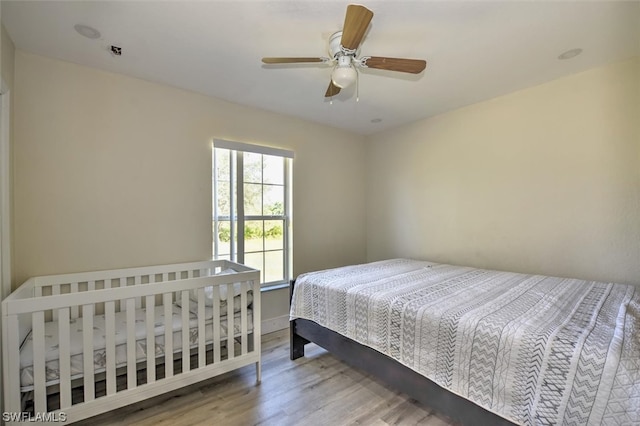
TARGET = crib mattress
x,y
52,364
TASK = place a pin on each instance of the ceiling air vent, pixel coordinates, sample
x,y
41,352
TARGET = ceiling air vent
x,y
115,50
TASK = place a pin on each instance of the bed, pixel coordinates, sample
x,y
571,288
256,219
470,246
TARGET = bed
x,y
148,331
480,346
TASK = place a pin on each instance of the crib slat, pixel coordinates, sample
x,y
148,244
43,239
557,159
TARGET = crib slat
x,y
243,318
91,285
151,343
202,354
186,352
131,343
87,343
74,309
168,334
55,290
257,332
39,379
216,324
230,322
110,331
10,363
65,357
121,283
137,281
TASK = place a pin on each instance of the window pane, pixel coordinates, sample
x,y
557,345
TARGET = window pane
x,y
222,164
273,234
223,234
273,169
252,199
223,198
253,236
274,266
273,200
252,167
254,260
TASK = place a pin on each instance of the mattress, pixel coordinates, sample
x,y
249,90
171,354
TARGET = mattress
x,y
52,364
530,348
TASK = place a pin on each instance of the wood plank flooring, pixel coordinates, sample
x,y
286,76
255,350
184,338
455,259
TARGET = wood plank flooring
x,y
315,390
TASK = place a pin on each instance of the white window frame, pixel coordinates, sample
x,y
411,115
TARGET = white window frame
x,y
237,218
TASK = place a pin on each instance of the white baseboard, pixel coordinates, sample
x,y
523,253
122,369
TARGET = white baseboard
x,y
274,324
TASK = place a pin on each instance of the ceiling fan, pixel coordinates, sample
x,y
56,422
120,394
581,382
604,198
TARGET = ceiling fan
x,y
343,47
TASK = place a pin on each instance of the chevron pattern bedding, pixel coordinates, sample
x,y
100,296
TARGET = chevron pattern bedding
x,y
535,350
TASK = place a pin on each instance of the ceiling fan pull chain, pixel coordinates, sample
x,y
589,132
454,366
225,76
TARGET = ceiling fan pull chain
x,y
357,85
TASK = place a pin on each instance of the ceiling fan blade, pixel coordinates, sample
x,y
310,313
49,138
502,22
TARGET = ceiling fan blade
x,y
291,60
355,25
413,66
332,90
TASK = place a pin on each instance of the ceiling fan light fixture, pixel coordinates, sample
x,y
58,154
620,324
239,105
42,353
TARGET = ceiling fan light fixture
x,y
344,76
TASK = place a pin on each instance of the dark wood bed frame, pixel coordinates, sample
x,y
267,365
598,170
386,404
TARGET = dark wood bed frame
x,y
390,371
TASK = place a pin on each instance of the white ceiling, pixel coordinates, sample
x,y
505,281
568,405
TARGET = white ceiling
x,y
474,50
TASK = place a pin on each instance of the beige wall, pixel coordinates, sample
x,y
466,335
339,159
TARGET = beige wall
x,y
112,171
7,57
544,180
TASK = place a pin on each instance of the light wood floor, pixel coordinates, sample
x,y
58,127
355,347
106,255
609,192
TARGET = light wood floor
x,y
314,390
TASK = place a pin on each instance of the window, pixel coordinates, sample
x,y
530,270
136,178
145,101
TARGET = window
x,y
252,208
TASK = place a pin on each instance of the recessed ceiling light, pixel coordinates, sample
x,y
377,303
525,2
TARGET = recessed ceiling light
x,y
376,120
87,31
570,54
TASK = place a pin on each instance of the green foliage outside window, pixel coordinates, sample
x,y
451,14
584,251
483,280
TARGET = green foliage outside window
x,y
250,232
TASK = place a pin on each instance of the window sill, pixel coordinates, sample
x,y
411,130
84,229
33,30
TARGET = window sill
x,y
272,287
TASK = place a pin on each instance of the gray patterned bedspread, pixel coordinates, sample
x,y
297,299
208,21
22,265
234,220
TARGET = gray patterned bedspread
x,y
533,349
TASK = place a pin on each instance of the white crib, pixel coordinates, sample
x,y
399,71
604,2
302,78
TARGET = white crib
x,y
202,319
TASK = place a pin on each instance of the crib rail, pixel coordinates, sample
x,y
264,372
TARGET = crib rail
x,y
54,302
212,337
90,281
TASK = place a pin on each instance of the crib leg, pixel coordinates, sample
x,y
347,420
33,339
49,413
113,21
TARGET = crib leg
x,y
258,373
